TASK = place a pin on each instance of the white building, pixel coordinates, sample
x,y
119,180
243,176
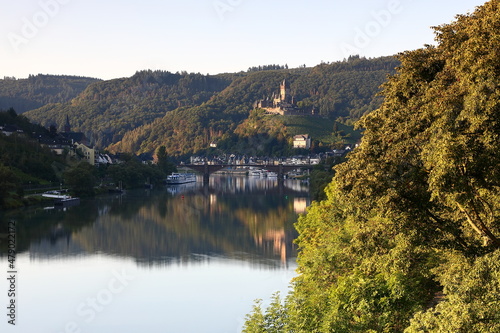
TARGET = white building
x,y
302,141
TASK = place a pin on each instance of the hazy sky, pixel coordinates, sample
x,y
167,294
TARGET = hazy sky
x,y
110,38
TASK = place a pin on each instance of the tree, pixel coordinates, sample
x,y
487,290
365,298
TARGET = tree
x,y
255,321
471,303
415,210
164,163
430,151
81,179
12,113
133,174
274,320
9,184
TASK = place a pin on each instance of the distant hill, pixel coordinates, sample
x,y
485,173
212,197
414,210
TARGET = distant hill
x,y
38,90
107,110
186,112
340,91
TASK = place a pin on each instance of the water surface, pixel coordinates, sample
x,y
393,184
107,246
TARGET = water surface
x,y
189,258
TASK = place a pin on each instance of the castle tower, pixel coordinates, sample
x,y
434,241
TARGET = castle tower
x,y
284,91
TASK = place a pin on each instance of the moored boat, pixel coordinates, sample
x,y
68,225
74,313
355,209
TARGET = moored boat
x,y
68,201
272,174
254,173
180,178
61,199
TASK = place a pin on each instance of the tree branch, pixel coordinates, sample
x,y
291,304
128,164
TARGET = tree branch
x,y
479,227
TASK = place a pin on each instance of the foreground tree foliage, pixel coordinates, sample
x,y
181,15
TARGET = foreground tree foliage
x,y
408,237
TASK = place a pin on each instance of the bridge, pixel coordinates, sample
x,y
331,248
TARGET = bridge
x,y
207,169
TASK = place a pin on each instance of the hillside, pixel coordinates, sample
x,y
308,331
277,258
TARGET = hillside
x,y
342,91
38,90
264,134
107,110
23,160
185,112
327,131
33,158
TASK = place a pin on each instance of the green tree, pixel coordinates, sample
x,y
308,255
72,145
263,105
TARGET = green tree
x,y
471,303
164,163
81,179
255,320
415,210
9,185
274,320
430,152
133,174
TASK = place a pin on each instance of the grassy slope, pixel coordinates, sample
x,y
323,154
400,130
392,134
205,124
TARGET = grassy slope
x,y
319,128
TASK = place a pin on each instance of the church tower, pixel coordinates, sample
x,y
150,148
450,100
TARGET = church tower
x,y
67,126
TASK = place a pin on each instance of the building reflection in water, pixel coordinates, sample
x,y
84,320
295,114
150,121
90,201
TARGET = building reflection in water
x,y
300,205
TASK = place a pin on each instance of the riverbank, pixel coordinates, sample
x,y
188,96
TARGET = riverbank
x,y
15,201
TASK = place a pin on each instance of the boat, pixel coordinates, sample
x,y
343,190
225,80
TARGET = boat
x,y
254,173
117,189
68,201
180,178
272,174
61,199
55,194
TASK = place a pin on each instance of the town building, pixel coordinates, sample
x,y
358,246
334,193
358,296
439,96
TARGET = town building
x,y
88,154
8,130
302,141
57,144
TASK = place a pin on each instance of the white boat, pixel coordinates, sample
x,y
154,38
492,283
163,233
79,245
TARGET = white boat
x,y
180,178
272,174
61,199
68,201
254,173
55,195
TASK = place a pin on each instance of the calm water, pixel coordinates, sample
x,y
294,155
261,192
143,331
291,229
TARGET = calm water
x,y
180,259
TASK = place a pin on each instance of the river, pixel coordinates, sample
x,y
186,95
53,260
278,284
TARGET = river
x,y
189,258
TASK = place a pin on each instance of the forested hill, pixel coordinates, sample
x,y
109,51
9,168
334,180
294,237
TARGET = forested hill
x,y
342,90
37,90
185,112
107,110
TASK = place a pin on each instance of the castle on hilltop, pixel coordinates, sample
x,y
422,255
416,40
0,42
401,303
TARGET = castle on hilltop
x,y
282,103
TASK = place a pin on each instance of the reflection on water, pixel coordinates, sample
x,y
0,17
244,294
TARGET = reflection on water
x,y
191,252
239,218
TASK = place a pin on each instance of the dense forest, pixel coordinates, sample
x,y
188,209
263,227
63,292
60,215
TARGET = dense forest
x,y
408,237
22,159
37,90
107,110
186,112
22,154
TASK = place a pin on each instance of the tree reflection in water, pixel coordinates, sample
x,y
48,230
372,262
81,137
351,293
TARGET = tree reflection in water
x,y
232,217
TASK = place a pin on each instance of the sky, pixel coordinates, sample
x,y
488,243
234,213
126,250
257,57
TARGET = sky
x,y
112,39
